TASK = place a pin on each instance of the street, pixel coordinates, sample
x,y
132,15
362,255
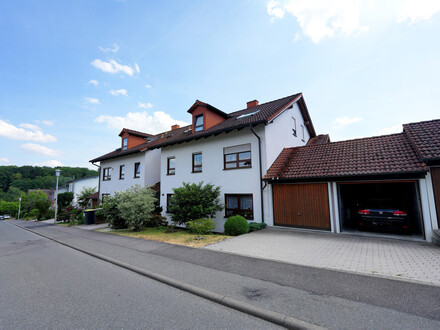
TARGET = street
x,y
47,285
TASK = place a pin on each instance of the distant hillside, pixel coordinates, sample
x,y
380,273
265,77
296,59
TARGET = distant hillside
x,y
34,177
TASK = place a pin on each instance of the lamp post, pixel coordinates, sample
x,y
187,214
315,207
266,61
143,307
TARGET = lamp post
x,y
19,207
57,173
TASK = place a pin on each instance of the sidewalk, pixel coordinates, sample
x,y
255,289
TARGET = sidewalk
x,y
397,259
328,298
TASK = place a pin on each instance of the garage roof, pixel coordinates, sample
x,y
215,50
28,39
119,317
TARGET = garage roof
x,y
425,136
379,155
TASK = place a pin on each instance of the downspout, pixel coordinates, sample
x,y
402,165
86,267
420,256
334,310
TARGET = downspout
x,y
99,178
261,174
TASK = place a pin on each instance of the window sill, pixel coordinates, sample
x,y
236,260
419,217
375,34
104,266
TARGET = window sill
x,y
197,172
121,178
106,179
171,174
237,168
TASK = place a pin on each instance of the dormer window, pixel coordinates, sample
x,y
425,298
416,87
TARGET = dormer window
x,y
198,123
124,143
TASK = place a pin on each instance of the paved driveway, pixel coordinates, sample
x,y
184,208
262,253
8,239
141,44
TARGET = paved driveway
x,y
414,261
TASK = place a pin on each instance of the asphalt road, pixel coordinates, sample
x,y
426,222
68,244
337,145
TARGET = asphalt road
x,y
46,285
332,299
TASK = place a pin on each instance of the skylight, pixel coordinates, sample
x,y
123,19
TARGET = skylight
x,y
248,114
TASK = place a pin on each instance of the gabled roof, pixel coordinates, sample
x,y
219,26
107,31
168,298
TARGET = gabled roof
x,y
137,133
198,103
260,114
425,137
379,155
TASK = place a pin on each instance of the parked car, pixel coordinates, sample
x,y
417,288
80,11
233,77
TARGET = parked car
x,y
386,214
6,216
2,217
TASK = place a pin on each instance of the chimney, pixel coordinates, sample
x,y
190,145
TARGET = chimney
x,y
251,104
174,127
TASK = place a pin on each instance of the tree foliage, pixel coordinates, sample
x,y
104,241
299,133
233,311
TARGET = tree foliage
x,y
83,197
194,201
64,199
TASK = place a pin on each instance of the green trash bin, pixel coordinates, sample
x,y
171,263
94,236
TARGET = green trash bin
x,y
90,216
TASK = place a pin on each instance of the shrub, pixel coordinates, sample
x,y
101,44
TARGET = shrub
x,y
33,214
236,225
80,218
109,210
194,201
201,226
135,205
64,199
156,220
254,226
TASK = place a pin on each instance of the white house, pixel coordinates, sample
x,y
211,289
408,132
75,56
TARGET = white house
x,y
75,186
233,151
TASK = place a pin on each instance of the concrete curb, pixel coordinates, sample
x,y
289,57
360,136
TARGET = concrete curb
x,y
267,315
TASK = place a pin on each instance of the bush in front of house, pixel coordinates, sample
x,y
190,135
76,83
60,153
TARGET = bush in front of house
x,y
194,201
31,215
254,226
201,226
236,225
110,212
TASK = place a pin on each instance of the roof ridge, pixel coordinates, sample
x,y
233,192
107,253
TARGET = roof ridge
x,y
259,105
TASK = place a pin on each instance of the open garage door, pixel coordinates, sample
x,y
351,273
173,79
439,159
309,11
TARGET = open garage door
x,y
381,207
301,205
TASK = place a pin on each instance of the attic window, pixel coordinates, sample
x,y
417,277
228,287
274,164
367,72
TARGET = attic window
x,y
198,123
248,114
124,143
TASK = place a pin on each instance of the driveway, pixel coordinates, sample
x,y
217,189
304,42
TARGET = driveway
x,y
396,259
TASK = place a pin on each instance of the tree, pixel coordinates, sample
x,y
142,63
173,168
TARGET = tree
x,y
42,205
194,201
136,205
64,199
83,196
35,200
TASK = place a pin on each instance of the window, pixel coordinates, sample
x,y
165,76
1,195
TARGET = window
x,y
137,170
106,174
302,132
121,172
198,123
169,202
104,196
124,143
294,126
197,162
237,157
239,205
171,166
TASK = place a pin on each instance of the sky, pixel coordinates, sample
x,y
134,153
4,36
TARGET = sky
x,y
74,73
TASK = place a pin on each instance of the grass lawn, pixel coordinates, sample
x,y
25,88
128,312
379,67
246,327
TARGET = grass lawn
x,y
179,237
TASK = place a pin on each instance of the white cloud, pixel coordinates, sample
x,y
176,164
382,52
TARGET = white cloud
x,y
118,92
148,86
26,132
39,149
319,19
391,130
94,82
92,100
50,163
142,121
145,105
113,50
114,67
4,160
47,122
418,10
340,123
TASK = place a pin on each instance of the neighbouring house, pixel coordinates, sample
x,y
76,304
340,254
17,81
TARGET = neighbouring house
x,y
75,186
233,150
323,185
131,164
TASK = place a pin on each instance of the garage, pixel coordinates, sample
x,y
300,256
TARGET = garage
x,y
301,205
382,208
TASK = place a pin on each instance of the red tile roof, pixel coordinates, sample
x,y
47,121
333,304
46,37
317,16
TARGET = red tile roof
x,y
425,136
379,155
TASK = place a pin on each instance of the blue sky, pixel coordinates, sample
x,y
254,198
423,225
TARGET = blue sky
x,y
73,74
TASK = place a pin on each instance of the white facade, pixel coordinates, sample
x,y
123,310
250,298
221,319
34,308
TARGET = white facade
x,y
274,137
149,172
76,186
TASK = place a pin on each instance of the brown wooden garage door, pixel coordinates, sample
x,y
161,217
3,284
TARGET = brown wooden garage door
x,y
301,205
435,174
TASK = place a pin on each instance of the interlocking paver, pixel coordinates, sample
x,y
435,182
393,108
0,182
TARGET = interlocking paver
x,y
398,259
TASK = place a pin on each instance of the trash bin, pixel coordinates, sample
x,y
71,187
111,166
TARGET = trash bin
x,y
90,216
